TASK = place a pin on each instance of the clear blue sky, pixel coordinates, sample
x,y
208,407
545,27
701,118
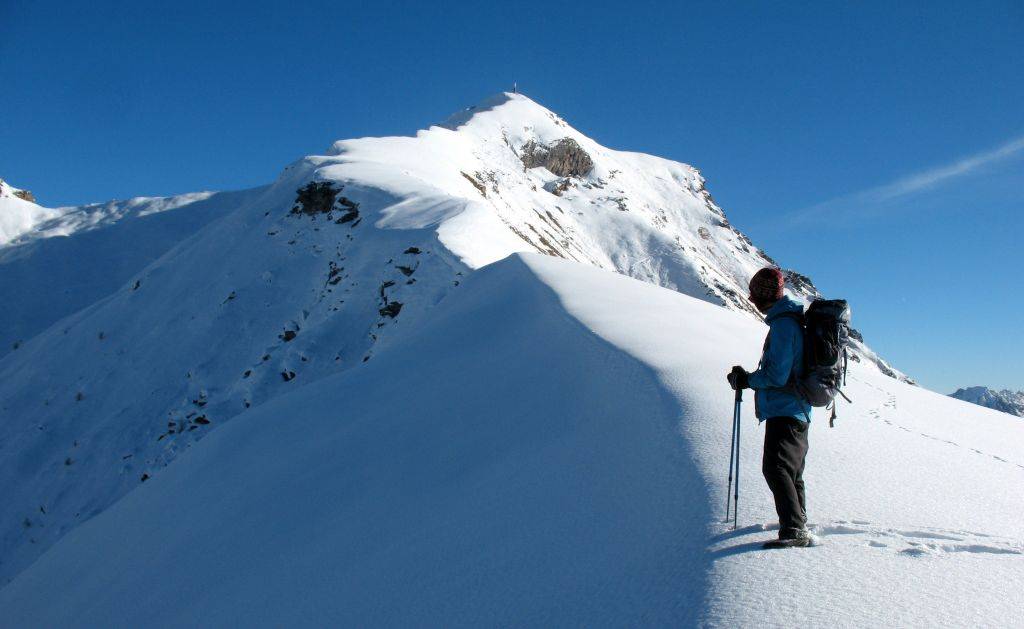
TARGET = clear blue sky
x,y
869,145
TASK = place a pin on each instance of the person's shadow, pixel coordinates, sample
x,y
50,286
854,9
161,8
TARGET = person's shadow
x,y
740,548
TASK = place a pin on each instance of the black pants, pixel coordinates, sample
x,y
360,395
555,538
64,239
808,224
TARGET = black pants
x,y
785,451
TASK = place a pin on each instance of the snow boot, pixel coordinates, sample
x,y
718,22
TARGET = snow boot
x,y
801,538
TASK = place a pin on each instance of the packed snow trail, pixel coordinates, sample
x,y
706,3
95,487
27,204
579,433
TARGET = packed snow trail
x,y
551,449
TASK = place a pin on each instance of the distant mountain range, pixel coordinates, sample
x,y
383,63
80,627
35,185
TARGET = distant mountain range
x,y
1007,401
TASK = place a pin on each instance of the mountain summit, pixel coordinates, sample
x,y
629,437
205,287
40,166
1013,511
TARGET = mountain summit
x,y
165,334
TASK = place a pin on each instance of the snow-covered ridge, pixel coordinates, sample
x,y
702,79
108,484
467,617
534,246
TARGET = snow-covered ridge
x,y
1006,401
259,293
549,450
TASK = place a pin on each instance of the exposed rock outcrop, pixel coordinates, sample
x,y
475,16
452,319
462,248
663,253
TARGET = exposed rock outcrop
x,y
323,197
25,195
565,158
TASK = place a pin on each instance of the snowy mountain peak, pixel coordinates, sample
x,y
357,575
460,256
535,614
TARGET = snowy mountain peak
x,y
234,299
508,110
1007,401
490,103
509,175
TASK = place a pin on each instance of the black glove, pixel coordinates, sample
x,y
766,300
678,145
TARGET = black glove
x,y
738,378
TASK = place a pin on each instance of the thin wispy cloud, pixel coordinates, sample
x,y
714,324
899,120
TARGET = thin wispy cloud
x,y
871,199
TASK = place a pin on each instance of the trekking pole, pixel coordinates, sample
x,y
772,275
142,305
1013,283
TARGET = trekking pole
x,y
732,458
734,450
737,429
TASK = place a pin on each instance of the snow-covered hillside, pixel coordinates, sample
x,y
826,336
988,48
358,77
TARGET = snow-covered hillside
x,y
256,294
1006,401
81,254
551,449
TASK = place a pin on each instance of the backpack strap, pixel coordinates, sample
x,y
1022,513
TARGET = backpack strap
x,y
793,375
832,420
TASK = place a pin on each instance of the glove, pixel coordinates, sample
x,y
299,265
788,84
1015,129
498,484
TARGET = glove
x,y
738,378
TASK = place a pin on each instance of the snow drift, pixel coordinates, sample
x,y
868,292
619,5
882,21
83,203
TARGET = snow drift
x,y
549,448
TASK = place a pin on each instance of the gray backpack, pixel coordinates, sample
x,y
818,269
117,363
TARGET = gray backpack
x,y
826,329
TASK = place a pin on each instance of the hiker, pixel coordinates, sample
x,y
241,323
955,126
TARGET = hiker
x,y
786,414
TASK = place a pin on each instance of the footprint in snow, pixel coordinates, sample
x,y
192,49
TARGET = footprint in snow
x,y
922,542
922,550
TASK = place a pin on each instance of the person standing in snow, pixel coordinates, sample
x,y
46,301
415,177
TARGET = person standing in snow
x,y
787,416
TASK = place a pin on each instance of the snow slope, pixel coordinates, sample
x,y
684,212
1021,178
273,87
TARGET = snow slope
x,y
312,275
82,254
549,449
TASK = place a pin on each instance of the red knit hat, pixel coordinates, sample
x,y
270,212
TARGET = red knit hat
x,y
766,285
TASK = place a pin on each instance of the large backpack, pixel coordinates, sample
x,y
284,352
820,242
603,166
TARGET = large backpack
x,y
826,328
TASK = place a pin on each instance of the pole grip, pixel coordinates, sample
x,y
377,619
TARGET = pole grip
x,y
739,392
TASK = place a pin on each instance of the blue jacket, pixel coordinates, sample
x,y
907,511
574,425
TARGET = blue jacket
x,y
783,356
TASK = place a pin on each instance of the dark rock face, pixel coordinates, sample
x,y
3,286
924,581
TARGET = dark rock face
x,y
322,197
568,159
316,197
25,195
565,158
351,209
533,154
391,309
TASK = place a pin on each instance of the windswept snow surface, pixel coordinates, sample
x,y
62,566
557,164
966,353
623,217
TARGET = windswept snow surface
x,y
551,449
